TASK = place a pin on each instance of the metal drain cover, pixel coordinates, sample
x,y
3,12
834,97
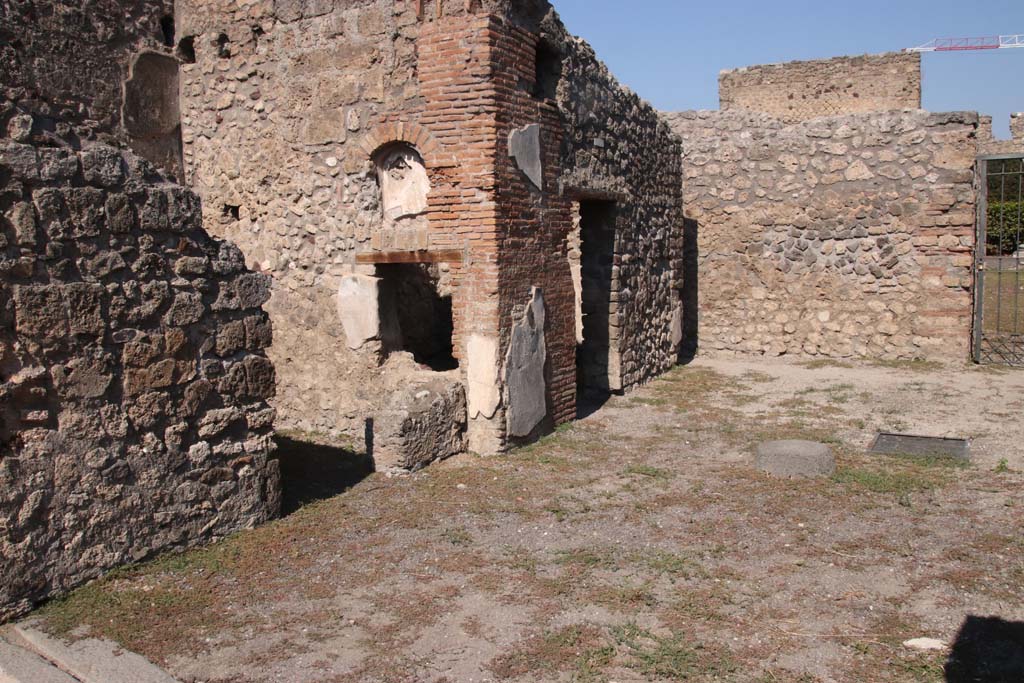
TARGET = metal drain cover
x,y
912,444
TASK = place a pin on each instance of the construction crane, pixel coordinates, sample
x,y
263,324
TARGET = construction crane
x,y
960,44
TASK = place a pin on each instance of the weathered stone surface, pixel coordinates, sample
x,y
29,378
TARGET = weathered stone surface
x,y
283,135
524,147
92,660
524,370
843,237
799,91
403,182
425,421
111,374
483,391
18,665
359,309
795,458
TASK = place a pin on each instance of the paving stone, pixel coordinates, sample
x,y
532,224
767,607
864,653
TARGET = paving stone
x,y
92,660
21,666
795,458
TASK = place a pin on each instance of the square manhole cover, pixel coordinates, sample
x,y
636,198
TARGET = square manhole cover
x,y
912,444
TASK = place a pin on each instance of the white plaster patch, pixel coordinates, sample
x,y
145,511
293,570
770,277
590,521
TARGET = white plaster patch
x,y
483,394
359,309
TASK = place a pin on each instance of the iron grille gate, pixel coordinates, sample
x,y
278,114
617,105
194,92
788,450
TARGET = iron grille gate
x,y
999,262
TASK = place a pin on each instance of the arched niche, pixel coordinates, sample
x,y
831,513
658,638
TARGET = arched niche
x,y
404,184
152,117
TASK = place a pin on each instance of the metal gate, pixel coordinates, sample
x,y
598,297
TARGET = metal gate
x,y
999,262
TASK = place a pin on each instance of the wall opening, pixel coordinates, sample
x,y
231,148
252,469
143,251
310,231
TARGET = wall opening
x,y
416,315
167,29
187,49
151,112
223,46
548,72
595,237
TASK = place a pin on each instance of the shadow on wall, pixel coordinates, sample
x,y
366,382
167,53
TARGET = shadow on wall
x,y
691,318
987,649
312,471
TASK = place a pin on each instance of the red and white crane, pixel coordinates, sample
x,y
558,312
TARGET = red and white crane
x,y
979,43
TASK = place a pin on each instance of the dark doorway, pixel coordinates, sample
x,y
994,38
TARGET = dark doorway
x,y
597,251
415,317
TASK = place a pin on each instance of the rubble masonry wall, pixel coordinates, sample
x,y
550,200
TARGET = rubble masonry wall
x,y
849,236
283,110
798,91
133,382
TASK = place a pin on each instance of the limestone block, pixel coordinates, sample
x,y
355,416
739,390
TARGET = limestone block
x,y
483,392
524,148
359,309
425,421
525,385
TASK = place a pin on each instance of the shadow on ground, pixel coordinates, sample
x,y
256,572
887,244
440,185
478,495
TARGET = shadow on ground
x,y
987,649
312,471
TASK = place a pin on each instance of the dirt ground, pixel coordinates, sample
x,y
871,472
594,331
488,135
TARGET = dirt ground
x,y
637,544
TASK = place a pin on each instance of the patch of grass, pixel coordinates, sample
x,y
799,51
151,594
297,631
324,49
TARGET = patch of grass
x,y
1003,467
648,471
590,558
755,376
672,564
459,536
578,647
672,657
900,474
914,365
821,363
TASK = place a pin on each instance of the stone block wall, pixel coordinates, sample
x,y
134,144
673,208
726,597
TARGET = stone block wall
x,y
620,149
841,237
93,70
133,383
288,105
134,388
798,91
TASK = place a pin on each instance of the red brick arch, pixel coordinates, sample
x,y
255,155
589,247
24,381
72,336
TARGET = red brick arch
x,y
434,153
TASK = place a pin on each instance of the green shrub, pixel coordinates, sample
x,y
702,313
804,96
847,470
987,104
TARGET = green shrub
x,y
1004,231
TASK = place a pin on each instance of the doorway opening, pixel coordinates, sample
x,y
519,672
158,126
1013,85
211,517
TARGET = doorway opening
x,y
595,250
416,314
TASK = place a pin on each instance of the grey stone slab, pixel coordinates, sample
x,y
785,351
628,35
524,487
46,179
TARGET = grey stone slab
x,y
21,666
93,660
524,148
524,370
795,458
912,444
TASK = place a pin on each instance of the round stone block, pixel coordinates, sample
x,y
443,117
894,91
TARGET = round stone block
x,y
795,458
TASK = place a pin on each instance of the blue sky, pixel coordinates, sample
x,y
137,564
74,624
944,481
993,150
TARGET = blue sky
x,y
670,51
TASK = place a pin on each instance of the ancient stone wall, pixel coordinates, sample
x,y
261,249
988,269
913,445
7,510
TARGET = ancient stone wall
x,y
133,385
989,145
798,91
98,70
133,382
292,113
620,149
841,237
